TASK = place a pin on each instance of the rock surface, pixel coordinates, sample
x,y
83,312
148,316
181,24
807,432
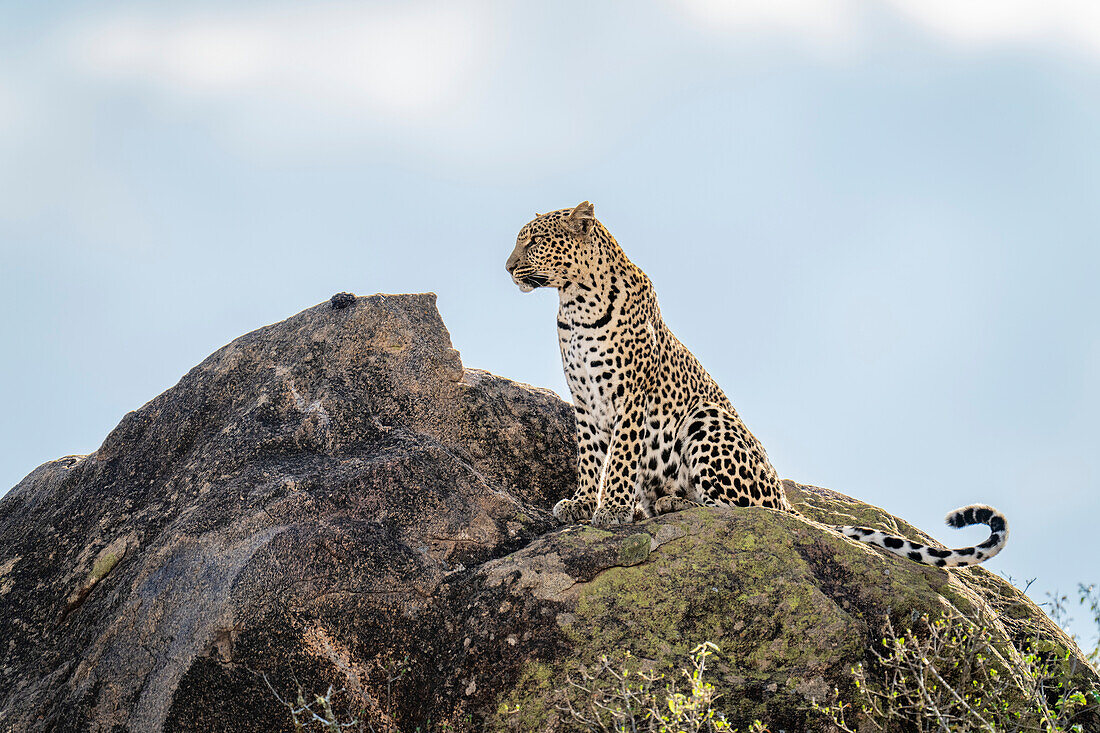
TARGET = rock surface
x,y
334,499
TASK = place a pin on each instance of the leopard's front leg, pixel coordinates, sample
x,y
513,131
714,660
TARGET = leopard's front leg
x,y
592,448
616,497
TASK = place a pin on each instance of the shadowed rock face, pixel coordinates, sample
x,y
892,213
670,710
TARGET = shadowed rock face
x,y
304,491
335,500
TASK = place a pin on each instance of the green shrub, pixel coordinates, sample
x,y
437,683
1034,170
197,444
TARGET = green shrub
x,y
623,697
953,674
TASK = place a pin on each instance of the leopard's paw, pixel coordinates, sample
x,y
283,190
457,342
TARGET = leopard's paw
x,y
667,504
610,516
569,511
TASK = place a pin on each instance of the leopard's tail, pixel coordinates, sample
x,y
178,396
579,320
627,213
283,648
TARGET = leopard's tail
x,y
964,517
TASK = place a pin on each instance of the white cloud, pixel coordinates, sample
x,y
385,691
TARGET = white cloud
x,y
823,23
197,54
445,80
978,24
985,23
297,76
404,60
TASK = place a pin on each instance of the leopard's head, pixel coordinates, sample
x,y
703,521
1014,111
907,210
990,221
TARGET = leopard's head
x,y
554,249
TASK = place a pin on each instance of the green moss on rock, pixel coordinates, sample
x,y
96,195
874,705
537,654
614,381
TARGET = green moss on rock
x,y
103,565
634,549
791,605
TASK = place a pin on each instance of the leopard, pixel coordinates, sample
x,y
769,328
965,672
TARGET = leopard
x,y
655,432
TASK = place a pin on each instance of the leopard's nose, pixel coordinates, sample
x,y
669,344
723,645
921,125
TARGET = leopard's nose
x,y
513,262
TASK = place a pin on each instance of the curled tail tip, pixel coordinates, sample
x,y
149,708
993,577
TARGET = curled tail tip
x,y
977,514
980,514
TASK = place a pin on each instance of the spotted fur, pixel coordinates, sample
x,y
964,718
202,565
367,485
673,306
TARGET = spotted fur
x,y
656,433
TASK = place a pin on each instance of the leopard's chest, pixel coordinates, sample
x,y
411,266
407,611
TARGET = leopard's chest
x,y
589,362
598,333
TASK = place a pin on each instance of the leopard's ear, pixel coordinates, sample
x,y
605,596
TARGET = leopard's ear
x,y
581,218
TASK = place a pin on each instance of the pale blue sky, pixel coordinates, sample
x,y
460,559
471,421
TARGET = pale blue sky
x,y
875,223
